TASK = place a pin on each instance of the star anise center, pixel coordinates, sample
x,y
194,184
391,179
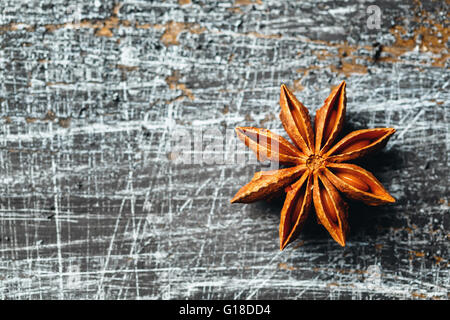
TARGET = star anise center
x,y
314,162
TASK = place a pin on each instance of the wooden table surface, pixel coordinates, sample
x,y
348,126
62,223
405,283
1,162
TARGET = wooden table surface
x,y
96,204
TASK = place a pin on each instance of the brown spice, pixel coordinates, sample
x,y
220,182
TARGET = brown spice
x,y
319,175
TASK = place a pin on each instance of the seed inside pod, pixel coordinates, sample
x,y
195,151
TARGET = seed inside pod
x,y
330,123
355,146
353,180
328,206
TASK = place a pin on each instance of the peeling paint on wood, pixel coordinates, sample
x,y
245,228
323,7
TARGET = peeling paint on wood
x,y
94,204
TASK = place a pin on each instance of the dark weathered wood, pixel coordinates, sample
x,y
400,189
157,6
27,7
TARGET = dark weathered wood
x,y
94,205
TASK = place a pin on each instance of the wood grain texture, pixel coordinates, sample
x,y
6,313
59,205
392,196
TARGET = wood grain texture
x,y
94,205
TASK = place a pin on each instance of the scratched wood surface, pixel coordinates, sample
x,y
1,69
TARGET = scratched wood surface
x,y
96,204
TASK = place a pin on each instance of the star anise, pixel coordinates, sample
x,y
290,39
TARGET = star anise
x,y
318,174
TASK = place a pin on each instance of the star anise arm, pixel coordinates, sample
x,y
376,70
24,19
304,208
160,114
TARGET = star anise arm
x,y
330,119
296,121
295,210
269,146
265,183
331,210
357,183
359,143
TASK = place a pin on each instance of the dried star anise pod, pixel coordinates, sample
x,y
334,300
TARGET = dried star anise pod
x,y
318,174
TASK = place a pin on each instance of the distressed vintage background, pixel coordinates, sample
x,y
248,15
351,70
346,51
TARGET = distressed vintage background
x,y
93,204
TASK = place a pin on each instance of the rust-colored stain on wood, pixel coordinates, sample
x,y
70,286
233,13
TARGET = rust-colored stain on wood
x,y
350,61
173,29
246,2
105,27
285,266
263,36
31,119
49,116
64,122
127,68
418,254
426,36
173,83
